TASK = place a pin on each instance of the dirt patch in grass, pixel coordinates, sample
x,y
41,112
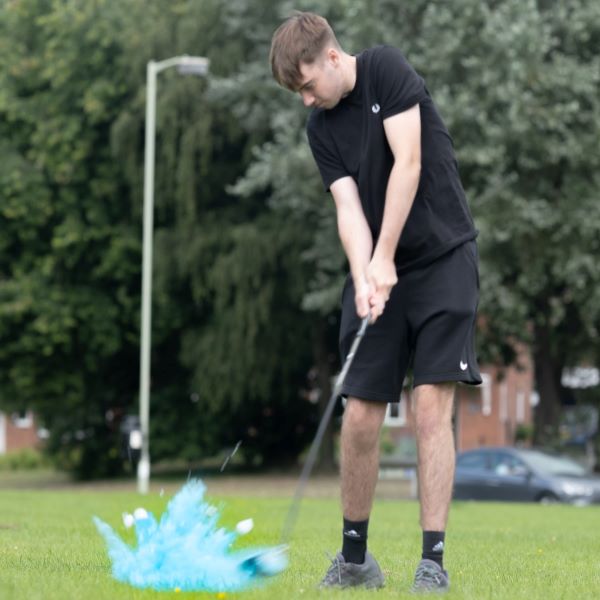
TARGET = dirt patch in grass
x,y
266,485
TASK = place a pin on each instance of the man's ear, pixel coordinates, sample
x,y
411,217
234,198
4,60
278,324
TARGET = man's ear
x,y
333,56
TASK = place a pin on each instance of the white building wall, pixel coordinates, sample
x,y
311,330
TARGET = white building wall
x,y
2,433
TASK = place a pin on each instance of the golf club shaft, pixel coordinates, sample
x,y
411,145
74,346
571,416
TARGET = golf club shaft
x,y
292,515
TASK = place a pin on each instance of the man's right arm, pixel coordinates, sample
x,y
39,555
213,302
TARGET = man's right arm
x,y
357,241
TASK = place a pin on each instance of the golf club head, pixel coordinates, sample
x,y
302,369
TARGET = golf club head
x,y
267,563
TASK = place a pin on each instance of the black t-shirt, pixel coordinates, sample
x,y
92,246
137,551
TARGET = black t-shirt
x,y
349,139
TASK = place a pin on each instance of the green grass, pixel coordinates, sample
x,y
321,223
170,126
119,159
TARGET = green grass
x,y
49,548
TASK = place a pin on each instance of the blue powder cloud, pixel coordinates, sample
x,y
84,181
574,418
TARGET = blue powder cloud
x,y
187,550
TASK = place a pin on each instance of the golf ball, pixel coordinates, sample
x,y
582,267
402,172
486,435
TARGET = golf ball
x,y
140,513
128,520
245,526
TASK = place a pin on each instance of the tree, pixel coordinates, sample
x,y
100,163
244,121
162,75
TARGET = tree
x,y
67,295
227,273
517,83
248,268
72,115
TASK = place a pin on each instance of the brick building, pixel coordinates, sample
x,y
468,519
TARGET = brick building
x,y
485,415
18,431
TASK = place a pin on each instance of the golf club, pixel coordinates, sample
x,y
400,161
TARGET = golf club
x,y
269,562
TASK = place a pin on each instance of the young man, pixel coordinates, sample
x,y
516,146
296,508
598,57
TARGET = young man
x,y
386,157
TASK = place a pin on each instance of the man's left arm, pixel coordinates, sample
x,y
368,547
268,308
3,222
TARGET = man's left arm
x,y
403,133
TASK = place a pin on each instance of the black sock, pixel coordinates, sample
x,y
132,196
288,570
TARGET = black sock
x,y
354,541
433,546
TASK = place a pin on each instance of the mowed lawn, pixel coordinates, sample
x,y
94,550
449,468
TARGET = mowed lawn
x,y
49,548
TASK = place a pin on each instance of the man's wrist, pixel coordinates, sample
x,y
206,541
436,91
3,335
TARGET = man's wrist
x,y
384,253
385,248
359,280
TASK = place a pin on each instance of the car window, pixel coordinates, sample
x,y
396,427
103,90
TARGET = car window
x,y
503,463
550,464
475,460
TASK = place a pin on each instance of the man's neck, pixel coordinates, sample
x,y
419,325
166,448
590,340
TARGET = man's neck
x,y
350,72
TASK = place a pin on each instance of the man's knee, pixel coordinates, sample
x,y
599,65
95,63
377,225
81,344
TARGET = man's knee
x,y
433,409
362,421
429,426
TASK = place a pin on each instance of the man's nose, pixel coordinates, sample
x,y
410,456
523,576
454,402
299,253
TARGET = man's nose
x,y
307,98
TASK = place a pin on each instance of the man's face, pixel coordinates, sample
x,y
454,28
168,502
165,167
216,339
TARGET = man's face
x,y
322,85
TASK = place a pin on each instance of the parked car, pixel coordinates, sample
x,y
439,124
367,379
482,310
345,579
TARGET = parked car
x,y
523,475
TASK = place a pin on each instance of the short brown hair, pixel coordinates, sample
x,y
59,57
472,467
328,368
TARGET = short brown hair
x,y
299,39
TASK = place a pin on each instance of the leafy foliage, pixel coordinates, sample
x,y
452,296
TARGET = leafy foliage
x,y
248,268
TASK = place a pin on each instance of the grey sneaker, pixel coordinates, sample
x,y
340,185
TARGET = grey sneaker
x,y
344,574
430,577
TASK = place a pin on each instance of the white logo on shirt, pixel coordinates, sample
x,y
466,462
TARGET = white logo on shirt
x,y
375,108
463,366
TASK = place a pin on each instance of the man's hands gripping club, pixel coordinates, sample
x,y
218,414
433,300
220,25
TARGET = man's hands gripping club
x,y
374,287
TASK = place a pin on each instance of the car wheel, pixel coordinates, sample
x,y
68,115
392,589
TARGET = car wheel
x,y
548,498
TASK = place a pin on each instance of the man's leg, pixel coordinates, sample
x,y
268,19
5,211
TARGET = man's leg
x,y
436,457
359,470
435,446
360,456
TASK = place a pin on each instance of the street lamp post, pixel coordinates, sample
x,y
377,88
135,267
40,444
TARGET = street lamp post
x,y
186,65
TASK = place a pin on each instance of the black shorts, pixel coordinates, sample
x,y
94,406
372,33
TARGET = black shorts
x,y
429,321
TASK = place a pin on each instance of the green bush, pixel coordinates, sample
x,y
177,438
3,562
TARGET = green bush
x,y
23,460
524,433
